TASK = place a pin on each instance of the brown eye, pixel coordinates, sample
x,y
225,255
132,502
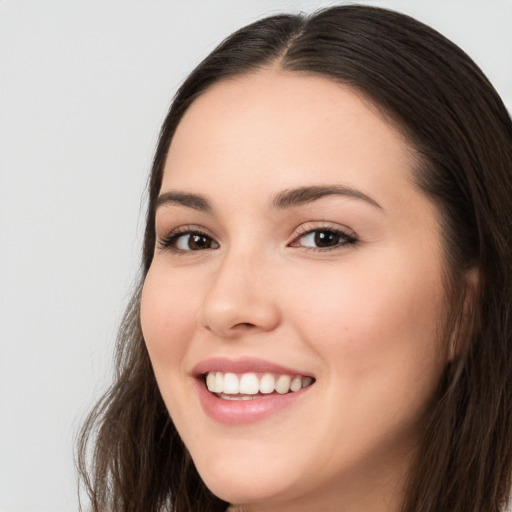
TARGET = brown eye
x,y
187,241
324,239
194,242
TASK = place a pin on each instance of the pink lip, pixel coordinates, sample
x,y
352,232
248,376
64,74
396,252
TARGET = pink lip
x,y
240,412
243,365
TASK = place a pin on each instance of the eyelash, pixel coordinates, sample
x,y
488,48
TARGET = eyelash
x,y
347,239
168,242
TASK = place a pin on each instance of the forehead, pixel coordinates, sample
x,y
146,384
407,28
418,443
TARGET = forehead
x,y
278,127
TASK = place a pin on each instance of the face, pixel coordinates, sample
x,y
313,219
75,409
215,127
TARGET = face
x,y
293,307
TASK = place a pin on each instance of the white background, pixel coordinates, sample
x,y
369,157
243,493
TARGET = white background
x,y
84,86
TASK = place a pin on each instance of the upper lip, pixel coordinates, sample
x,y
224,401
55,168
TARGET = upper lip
x,y
243,365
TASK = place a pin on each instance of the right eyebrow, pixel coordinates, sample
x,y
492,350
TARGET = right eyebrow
x,y
195,201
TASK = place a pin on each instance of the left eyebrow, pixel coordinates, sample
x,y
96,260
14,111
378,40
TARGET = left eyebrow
x,y
304,195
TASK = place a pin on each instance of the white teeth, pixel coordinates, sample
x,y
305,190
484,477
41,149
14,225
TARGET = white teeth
x,y
267,383
219,383
237,397
231,384
283,384
210,381
296,384
247,385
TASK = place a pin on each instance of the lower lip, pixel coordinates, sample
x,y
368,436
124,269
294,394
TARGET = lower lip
x,y
240,412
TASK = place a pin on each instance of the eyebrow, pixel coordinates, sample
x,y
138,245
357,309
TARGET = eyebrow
x,y
195,201
285,199
304,195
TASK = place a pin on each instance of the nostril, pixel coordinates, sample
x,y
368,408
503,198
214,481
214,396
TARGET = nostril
x,y
243,326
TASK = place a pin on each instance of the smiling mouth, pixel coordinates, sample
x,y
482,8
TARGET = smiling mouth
x,y
248,386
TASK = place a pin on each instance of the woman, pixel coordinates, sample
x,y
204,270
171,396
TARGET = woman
x,y
323,321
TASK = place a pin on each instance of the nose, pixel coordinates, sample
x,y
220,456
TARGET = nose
x,y
240,299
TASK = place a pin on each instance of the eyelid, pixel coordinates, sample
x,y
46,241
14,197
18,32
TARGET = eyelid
x,y
312,227
165,242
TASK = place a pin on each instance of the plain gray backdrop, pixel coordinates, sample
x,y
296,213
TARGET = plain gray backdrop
x,y
84,86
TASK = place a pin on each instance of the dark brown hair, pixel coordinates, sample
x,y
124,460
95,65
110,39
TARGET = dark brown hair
x,y
130,455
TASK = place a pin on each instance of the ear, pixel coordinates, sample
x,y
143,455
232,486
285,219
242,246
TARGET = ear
x,y
463,324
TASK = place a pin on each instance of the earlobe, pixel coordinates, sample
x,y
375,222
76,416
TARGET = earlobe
x,y
464,319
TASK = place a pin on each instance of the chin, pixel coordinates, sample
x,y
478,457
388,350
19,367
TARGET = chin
x,y
246,483
241,489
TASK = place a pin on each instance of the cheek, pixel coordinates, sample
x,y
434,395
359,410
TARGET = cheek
x,y
376,325
167,317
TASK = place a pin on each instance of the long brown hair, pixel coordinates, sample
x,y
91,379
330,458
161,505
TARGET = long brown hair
x,y
129,453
